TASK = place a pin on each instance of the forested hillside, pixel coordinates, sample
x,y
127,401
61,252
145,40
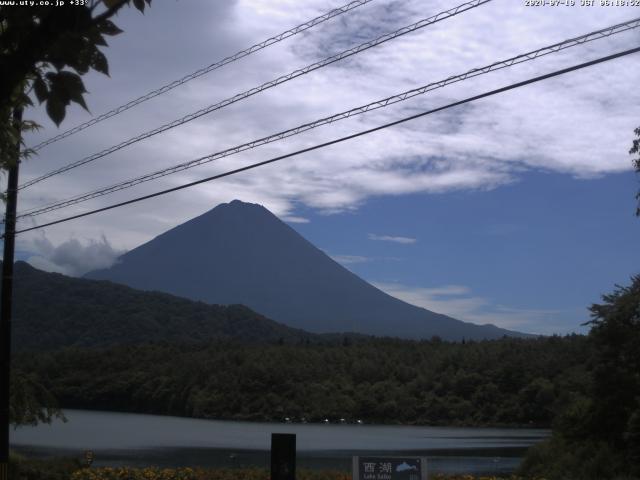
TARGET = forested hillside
x,y
503,382
52,311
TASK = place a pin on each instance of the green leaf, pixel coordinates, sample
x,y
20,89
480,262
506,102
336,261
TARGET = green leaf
x,y
57,63
79,99
96,38
82,60
30,126
139,4
71,81
66,87
40,89
56,109
13,135
82,18
107,27
27,152
25,100
99,62
76,96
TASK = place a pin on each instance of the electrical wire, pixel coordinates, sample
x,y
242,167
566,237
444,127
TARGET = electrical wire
x,y
265,86
529,56
198,73
339,140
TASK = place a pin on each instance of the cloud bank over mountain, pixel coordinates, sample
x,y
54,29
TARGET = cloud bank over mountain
x,y
73,257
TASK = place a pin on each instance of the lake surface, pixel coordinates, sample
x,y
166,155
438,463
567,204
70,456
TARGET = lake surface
x,y
141,440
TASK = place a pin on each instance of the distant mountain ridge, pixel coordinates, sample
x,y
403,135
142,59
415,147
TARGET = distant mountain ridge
x,y
51,311
240,253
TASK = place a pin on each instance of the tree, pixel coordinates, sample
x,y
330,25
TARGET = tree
x,y
635,149
616,376
31,402
45,50
598,436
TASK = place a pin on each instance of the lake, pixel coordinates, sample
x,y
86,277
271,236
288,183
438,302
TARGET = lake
x,y
141,440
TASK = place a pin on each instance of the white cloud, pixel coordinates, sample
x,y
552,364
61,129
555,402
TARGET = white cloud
x,y
580,124
72,257
350,259
390,238
294,219
459,302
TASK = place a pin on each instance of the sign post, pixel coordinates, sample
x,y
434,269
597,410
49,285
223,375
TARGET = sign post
x,y
389,468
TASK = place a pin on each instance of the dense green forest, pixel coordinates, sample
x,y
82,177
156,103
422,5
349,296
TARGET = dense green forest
x,y
502,382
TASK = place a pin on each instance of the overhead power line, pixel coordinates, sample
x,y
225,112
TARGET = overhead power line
x,y
340,140
265,86
203,71
532,55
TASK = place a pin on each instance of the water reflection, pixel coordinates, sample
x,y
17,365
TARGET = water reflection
x,y
141,440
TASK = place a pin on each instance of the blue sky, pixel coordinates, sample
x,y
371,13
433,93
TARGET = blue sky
x,y
515,210
530,255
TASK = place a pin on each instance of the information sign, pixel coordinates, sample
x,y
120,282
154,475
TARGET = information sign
x,y
389,468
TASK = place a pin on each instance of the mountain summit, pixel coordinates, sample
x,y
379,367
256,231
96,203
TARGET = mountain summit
x,y
240,253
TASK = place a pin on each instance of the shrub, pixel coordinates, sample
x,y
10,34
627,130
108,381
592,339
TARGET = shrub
x,y
21,468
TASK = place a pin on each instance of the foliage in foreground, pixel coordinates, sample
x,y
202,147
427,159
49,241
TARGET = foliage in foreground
x,y
45,50
233,474
21,468
153,473
598,435
31,402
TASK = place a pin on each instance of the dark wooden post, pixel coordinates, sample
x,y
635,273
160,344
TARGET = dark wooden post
x,y
5,308
283,456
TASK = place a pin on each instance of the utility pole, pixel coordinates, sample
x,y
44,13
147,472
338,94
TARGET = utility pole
x,y
6,296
